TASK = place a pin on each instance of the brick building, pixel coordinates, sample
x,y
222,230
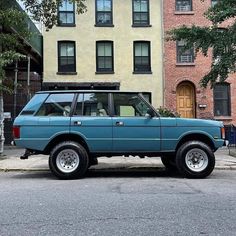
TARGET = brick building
x,y
182,72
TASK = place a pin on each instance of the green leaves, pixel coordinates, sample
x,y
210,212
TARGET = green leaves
x,y
45,11
7,58
213,40
13,27
223,10
13,18
165,112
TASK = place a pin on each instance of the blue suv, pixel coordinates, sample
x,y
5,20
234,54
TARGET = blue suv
x,y
76,127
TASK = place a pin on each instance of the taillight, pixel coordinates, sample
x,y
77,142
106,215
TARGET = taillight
x,y
16,132
222,132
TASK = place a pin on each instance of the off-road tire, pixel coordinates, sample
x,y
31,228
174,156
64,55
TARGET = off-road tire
x,y
195,159
68,160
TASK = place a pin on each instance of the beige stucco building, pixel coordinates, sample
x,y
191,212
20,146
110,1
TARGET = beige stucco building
x,y
116,44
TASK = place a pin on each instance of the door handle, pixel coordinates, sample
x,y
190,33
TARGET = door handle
x,y
78,123
119,123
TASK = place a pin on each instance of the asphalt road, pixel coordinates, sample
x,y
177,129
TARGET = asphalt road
x,y
117,203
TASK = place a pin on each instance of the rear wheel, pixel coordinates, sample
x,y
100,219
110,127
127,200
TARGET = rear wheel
x,y
68,160
195,159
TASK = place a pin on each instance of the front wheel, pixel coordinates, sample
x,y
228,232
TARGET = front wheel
x,y
68,160
195,159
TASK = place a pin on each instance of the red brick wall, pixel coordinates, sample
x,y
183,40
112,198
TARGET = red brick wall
x,y
175,74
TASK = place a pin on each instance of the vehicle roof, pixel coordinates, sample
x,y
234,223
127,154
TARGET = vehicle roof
x,y
88,91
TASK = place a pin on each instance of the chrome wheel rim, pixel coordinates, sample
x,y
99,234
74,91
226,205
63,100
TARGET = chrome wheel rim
x,y
67,160
196,160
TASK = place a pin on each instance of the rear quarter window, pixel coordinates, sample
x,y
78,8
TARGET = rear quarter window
x,y
56,105
33,105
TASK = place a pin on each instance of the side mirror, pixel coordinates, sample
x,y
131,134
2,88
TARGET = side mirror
x,y
150,113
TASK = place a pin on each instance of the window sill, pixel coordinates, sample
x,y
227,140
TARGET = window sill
x,y
223,118
141,26
66,25
186,64
104,72
142,72
66,73
101,25
184,12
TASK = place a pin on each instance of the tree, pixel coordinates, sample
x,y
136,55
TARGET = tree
x,y
13,27
220,38
45,11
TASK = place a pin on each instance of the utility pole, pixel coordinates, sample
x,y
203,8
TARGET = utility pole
x,y
28,80
15,89
2,138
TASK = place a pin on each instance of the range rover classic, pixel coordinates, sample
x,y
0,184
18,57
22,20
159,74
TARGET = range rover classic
x,y
76,127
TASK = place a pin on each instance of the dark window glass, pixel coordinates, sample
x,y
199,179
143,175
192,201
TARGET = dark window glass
x,y
184,56
183,5
140,12
129,105
92,104
104,56
57,105
222,100
142,56
66,13
66,56
103,12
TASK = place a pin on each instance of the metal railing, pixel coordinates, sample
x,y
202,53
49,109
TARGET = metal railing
x,y
188,58
183,8
230,135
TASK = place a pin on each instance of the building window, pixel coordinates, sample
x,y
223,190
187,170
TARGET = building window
x,y
140,12
183,5
184,56
142,61
222,99
66,56
104,56
213,2
66,13
103,12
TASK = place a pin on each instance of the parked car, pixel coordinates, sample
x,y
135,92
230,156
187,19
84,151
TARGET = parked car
x,y
76,127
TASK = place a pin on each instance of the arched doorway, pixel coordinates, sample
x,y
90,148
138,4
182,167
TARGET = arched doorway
x,y
186,100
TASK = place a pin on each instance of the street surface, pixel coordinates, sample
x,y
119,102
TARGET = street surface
x,y
117,203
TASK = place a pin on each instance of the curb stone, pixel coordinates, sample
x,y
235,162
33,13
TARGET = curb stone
x,y
232,168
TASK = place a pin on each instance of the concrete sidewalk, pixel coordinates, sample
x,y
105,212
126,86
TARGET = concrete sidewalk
x,y
10,161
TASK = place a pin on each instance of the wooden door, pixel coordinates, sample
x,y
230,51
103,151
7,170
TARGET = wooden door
x,y
186,100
